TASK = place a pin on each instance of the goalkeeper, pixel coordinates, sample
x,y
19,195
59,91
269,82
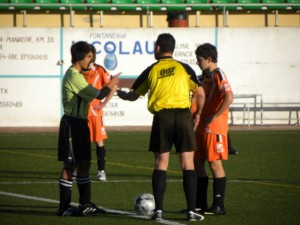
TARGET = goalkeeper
x,y
74,146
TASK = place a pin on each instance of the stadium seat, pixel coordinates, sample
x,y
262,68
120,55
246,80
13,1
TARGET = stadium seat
x,y
21,4
48,4
5,6
192,4
281,4
144,4
180,4
225,2
293,2
123,7
75,7
246,5
105,4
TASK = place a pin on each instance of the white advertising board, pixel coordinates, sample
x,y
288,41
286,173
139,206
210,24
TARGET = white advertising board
x,y
29,77
262,61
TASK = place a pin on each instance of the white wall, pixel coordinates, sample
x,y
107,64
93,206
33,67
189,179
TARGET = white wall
x,y
264,61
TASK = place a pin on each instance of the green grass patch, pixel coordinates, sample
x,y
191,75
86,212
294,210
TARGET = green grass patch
x,y
263,180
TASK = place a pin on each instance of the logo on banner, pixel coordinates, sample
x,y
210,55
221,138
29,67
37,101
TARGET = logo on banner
x,y
110,61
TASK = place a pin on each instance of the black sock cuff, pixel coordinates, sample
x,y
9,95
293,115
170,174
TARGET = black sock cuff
x,y
66,183
83,180
160,172
203,178
219,179
101,148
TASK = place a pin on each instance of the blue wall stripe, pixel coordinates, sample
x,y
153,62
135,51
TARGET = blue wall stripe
x,y
30,76
56,76
216,37
61,67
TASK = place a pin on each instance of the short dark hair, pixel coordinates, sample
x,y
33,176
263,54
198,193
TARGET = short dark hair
x,y
94,54
79,50
166,42
207,50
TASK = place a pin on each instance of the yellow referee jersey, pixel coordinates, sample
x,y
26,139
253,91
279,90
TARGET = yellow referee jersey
x,y
169,83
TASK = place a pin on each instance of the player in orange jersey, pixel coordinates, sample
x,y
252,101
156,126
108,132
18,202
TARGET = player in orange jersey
x,y
97,76
212,130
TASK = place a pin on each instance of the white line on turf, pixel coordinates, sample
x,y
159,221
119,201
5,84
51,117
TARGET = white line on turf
x,y
130,214
148,181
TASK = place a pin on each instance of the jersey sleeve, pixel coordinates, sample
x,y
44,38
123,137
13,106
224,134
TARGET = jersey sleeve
x,y
141,86
222,82
81,87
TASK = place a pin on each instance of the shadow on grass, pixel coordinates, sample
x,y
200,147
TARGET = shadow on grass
x,y
26,209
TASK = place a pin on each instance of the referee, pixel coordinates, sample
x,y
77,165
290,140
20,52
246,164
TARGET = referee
x,y
170,83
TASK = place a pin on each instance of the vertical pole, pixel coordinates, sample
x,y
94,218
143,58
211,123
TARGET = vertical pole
x,y
225,17
197,18
24,18
276,18
149,18
101,18
91,20
71,17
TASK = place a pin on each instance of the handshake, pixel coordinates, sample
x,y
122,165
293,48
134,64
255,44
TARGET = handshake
x,y
121,94
129,96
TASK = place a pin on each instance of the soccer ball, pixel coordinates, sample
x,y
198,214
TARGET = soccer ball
x,y
144,204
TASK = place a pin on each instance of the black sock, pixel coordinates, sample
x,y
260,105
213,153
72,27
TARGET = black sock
x,y
219,191
65,193
159,185
190,188
84,188
101,154
202,185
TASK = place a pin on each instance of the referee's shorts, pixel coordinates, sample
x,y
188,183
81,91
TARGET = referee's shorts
x,y
172,126
74,143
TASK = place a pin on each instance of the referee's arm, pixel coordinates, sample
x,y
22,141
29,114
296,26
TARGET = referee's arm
x,y
129,96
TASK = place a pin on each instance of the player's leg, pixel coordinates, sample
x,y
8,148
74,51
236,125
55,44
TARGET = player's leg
x,y
218,151
65,190
159,181
202,185
185,144
66,154
101,160
98,135
202,178
82,154
231,149
219,187
161,144
189,179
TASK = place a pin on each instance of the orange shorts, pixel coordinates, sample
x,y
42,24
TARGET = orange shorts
x,y
97,129
211,146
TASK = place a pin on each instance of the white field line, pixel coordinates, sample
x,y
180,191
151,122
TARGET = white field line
x,y
149,181
129,214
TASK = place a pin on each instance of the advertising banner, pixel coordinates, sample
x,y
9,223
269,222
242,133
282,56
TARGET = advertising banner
x,y
29,77
257,61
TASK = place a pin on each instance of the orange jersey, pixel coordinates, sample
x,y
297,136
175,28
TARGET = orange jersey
x,y
212,138
215,88
98,78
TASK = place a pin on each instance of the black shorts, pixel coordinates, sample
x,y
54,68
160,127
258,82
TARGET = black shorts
x,y
74,144
172,126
